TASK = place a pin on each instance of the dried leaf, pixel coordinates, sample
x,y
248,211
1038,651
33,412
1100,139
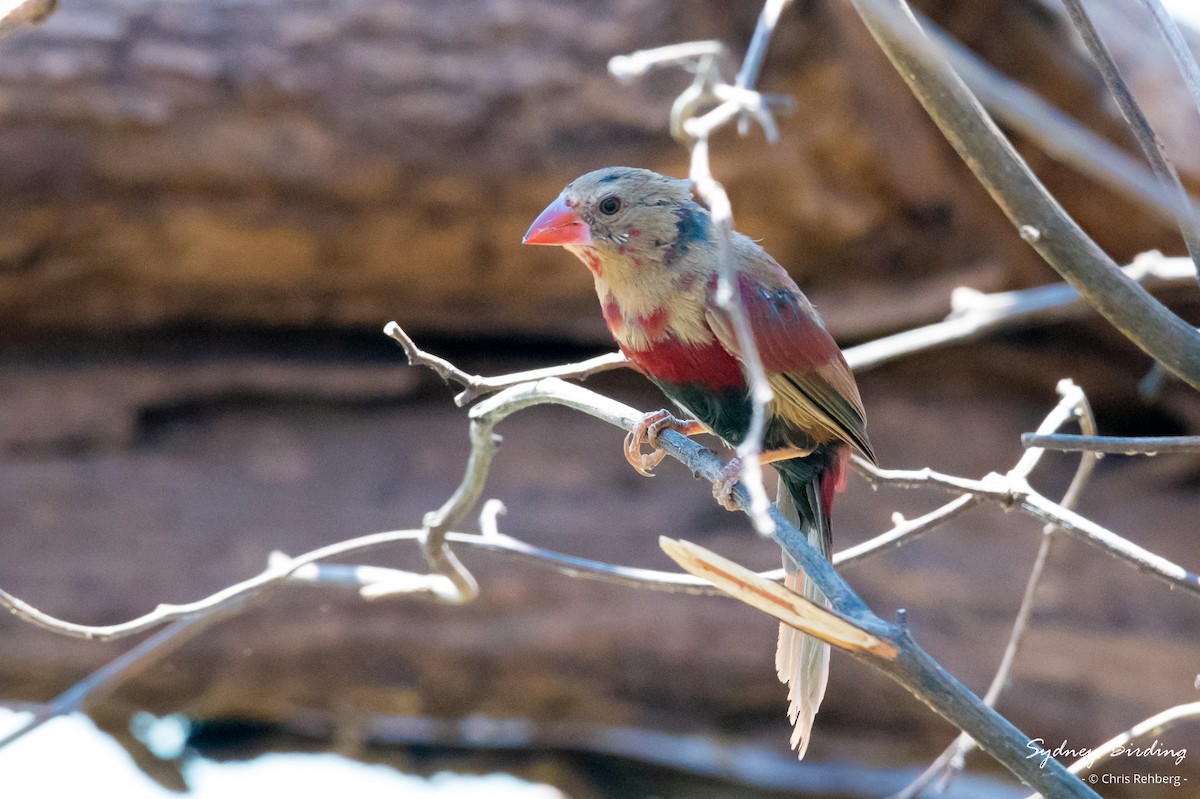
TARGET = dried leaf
x,y
774,599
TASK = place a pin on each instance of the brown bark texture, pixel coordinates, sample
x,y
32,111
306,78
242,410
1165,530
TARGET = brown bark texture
x,y
342,164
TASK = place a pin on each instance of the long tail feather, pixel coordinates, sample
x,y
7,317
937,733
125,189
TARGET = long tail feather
x,y
802,661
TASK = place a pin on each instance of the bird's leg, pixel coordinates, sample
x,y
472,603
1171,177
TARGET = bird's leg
x,y
647,431
731,472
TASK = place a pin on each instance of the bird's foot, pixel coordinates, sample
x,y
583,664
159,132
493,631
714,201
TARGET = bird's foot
x,y
731,473
647,431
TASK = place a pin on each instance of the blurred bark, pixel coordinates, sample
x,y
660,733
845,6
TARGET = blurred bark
x,y
342,164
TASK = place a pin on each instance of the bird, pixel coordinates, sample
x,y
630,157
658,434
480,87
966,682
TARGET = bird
x,y
653,255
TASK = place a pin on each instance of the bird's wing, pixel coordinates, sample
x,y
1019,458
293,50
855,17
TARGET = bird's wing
x,y
814,388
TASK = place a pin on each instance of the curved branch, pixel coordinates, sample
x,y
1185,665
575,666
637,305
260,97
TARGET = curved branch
x,y
1020,496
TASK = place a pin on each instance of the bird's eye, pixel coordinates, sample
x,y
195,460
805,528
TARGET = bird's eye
x,y
610,205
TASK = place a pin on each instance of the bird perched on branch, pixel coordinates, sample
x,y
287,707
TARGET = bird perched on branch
x,y
653,254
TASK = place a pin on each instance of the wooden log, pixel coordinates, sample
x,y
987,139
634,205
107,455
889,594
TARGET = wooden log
x,y
342,164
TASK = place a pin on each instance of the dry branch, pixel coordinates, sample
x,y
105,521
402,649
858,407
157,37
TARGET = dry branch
x,y
1180,52
1147,139
910,665
949,765
850,624
1114,445
1023,198
740,101
1158,723
1059,135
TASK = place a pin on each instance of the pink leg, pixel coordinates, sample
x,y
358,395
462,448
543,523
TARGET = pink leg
x,y
647,431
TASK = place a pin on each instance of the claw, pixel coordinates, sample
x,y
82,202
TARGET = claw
x,y
731,473
641,462
647,431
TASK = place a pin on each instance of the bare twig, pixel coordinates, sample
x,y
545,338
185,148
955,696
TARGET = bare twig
x,y
756,53
974,314
1114,445
1018,495
1147,139
949,765
1030,207
738,100
728,298
1156,724
276,573
152,649
1059,135
476,386
1184,58
374,582
905,531
912,667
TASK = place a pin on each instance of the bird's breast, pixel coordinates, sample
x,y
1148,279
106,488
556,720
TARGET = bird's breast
x,y
670,360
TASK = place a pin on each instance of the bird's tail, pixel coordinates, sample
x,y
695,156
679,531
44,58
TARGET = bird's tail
x,y
805,496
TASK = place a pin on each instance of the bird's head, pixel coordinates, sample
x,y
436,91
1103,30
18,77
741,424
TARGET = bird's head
x,y
622,215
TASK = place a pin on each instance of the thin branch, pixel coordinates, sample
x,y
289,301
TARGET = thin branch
x,y
1030,207
152,649
949,765
1059,135
756,53
1006,491
974,314
906,531
1155,725
1147,139
476,386
911,666
275,573
1018,495
375,582
738,100
1173,36
1114,445
729,300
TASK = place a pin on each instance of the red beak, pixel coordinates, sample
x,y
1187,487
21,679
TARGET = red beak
x,y
558,224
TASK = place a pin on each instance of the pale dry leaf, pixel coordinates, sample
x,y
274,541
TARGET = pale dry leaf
x,y
773,599
15,13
